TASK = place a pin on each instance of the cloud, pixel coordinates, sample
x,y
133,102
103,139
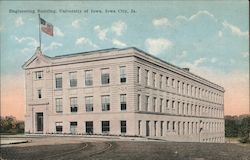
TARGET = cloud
x,y
201,13
199,61
52,46
220,34
82,41
102,32
195,16
58,32
158,45
119,27
118,43
77,23
245,54
214,60
19,22
235,30
161,22
182,55
29,41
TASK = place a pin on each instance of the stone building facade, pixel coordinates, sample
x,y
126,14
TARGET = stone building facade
x,y
121,92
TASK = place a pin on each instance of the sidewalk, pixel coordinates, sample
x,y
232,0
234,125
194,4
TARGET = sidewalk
x,y
12,141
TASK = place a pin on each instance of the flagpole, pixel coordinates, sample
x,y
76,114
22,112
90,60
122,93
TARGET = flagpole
x,y
39,31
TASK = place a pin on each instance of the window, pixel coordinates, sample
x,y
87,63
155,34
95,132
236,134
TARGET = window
x,y
123,127
178,86
88,78
139,127
168,125
105,103
89,104
73,79
59,127
39,93
167,104
161,128
123,101
173,104
73,104
147,77
172,83
167,81
161,100
147,103
139,102
105,76
161,81
154,79
154,104
59,108
73,126
138,74
183,84
89,127
105,126
123,74
39,75
58,81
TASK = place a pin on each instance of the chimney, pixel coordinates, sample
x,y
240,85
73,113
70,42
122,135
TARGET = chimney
x,y
186,69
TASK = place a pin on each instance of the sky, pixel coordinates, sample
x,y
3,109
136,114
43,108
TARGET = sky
x,y
209,37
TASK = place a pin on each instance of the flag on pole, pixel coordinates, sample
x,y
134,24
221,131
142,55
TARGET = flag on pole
x,y
46,27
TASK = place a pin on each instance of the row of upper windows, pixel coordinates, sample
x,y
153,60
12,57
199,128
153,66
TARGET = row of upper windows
x,y
105,77
177,107
89,105
181,87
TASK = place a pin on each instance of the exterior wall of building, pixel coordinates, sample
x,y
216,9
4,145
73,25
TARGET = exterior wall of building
x,y
161,101
189,112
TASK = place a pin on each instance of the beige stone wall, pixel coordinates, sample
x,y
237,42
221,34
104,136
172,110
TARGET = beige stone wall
x,y
187,109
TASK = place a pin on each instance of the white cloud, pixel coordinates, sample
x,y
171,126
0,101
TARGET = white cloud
x,y
161,22
58,32
19,22
201,13
77,23
220,34
118,43
158,45
214,60
195,16
102,32
52,46
199,61
82,41
245,54
182,55
29,41
235,30
232,61
119,27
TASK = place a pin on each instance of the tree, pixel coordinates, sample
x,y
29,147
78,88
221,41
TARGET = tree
x,y
231,126
244,130
9,124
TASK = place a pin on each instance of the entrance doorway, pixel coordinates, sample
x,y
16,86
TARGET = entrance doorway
x,y
39,122
89,127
